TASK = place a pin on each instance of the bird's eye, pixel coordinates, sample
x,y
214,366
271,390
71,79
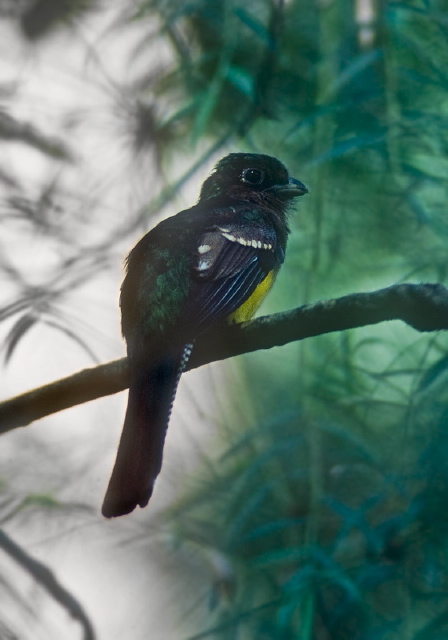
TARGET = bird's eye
x,y
252,176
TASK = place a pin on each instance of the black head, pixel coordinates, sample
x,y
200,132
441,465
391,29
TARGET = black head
x,y
252,177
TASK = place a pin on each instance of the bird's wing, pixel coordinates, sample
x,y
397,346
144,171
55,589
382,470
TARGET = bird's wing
x,y
230,262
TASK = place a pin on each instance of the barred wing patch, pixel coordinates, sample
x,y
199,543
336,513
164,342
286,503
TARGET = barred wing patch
x,y
229,265
224,251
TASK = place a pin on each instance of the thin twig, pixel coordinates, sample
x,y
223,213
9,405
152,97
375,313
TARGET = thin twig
x,y
46,578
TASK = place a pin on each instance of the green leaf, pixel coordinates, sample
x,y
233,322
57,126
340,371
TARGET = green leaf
x,y
432,375
254,25
241,79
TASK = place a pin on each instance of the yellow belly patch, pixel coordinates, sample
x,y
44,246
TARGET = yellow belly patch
x,y
248,308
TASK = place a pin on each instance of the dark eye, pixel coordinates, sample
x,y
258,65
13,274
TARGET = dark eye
x,y
253,176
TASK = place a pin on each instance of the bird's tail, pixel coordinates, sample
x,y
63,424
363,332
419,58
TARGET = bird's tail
x,y
139,457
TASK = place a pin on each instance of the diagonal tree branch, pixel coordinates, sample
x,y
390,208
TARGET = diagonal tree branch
x,y
46,578
422,306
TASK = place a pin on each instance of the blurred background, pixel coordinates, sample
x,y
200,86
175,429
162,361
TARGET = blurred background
x,y
304,491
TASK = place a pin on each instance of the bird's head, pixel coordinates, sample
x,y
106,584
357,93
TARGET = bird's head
x,y
252,177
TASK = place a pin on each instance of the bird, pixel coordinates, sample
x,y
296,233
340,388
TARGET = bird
x,y
206,266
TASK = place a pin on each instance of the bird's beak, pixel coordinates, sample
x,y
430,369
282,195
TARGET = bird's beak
x,y
293,189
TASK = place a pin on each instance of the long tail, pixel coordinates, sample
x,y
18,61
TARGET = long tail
x,y
139,457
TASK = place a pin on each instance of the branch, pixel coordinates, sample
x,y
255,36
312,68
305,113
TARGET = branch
x,y
46,578
422,306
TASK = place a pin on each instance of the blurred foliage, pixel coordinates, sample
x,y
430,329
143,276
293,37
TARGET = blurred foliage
x,y
326,518
39,18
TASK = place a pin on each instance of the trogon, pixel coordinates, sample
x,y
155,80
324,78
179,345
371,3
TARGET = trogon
x,y
209,264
